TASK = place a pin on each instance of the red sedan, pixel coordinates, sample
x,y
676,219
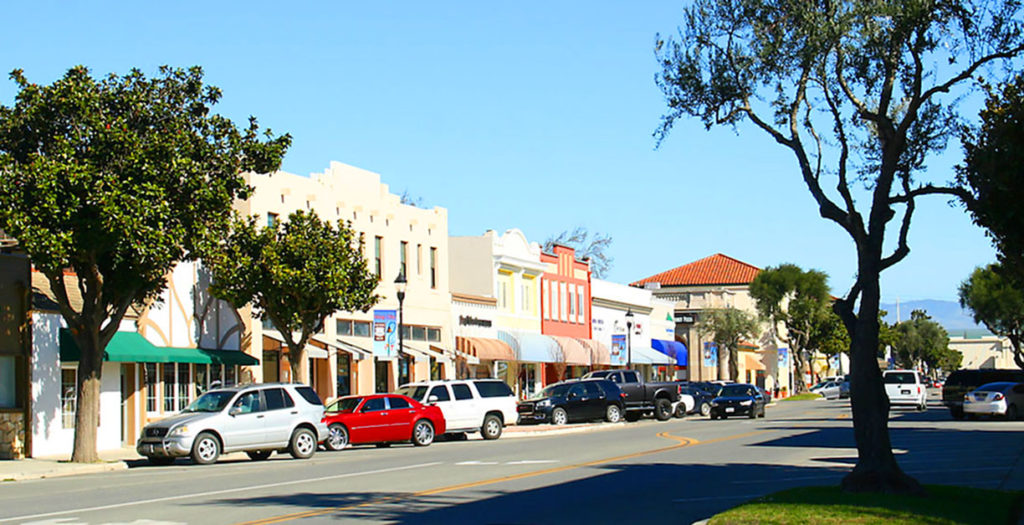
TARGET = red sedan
x,y
381,419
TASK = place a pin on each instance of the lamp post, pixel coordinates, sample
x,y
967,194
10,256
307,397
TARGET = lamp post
x,y
629,338
400,288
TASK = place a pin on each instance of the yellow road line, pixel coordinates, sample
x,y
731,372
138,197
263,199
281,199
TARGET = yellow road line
x,y
681,442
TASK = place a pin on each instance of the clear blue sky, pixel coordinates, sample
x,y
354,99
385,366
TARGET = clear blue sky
x,y
536,115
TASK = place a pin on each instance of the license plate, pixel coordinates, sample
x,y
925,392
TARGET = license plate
x,y
905,392
730,409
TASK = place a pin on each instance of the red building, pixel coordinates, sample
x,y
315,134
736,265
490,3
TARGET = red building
x,y
565,312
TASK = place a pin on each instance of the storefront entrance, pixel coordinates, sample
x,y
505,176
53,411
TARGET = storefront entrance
x,y
381,375
343,373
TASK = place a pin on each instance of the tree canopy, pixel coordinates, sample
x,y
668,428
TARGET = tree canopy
x,y
592,246
117,180
296,273
728,327
997,301
920,340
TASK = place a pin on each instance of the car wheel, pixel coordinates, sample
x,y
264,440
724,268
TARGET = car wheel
x,y
491,428
160,460
337,438
422,433
303,444
259,455
922,407
205,449
753,412
1011,412
559,416
613,414
662,409
705,409
762,413
714,415
632,416
680,411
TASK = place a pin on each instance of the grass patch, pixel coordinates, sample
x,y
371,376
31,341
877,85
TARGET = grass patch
x,y
801,397
829,505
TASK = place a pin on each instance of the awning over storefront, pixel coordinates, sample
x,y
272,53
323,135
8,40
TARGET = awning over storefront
x,y
131,347
599,353
485,348
424,350
751,362
673,349
357,351
532,348
648,356
311,351
573,353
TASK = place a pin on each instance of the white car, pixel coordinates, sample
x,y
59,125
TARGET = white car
x,y
995,399
827,389
905,388
685,405
471,405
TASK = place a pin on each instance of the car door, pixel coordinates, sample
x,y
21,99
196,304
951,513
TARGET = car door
x,y
576,403
280,416
631,386
370,422
444,402
245,425
596,402
401,416
466,406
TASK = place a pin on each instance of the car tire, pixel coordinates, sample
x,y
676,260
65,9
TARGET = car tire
x,y
705,409
259,455
337,437
491,429
632,416
160,460
422,433
922,407
613,414
680,411
303,443
662,409
762,413
205,449
559,416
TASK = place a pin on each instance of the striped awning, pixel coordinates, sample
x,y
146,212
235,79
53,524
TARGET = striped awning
x,y
573,352
751,362
485,348
599,353
532,348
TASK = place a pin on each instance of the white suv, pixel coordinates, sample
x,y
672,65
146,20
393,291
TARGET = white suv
x,y
906,388
471,405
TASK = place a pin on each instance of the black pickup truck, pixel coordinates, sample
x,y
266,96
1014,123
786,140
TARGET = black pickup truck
x,y
641,397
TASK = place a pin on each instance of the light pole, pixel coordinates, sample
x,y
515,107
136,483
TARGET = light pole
x,y
400,288
629,338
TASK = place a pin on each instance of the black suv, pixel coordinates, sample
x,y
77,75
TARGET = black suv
x,y
739,399
574,400
961,382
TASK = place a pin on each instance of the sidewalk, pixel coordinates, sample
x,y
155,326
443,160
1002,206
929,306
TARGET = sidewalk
x,y
57,466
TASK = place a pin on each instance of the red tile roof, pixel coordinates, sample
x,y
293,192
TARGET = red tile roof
x,y
716,269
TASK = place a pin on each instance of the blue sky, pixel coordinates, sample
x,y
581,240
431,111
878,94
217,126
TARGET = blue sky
x,y
524,114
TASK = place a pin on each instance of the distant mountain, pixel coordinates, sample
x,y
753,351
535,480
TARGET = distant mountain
x,y
954,319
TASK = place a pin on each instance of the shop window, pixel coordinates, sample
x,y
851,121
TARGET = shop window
x,y
152,394
406,332
184,386
230,375
361,328
419,333
344,374
403,369
169,386
9,381
434,335
202,379
68,396
344,327
216,375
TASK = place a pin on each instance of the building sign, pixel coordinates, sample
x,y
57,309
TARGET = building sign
x,y
385,333
710,355
466,320
619,350
686,318
783,358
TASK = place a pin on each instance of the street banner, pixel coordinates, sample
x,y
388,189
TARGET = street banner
x,y
619,350
783,358
710,355
385,333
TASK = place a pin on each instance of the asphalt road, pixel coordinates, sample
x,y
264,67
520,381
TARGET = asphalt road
x,y
676,472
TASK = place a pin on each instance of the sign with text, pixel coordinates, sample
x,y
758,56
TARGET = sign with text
x,y
618,350
710,355
385,333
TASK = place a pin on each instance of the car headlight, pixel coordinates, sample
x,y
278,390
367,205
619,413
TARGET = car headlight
x,y
714,403
544,403
747,402
178,431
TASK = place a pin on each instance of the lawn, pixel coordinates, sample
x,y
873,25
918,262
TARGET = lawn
x,y
801,397
944,504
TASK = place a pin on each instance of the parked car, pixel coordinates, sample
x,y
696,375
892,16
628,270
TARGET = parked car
x,y
640,396
474,405
702,398
961,382
739,399
574,400
256,419
995,399
905,388
827,389
381,419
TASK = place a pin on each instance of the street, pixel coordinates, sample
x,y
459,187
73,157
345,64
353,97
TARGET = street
x,y
678,471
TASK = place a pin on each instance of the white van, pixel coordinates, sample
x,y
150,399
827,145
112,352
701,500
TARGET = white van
x,y
905,388
471,405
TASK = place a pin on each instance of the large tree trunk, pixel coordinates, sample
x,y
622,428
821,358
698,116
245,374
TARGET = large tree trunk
x,y
299,363
734,364
723,362
799,365
876,469
87,398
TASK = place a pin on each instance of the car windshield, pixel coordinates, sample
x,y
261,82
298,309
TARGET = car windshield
x,y
551,391
345,404
414,391
735,390
893,378
211,402
819,385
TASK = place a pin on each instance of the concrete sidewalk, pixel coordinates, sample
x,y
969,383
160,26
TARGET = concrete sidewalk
x,y
57,466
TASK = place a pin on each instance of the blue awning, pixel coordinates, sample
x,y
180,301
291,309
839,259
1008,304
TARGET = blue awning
x,y
532,348
673,349
648,356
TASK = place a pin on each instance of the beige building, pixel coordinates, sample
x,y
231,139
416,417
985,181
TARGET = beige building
x,y
399,239
984,352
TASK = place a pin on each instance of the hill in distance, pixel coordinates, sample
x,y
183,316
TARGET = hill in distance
x,y
956,320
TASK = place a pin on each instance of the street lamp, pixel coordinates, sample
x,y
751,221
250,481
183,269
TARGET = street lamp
x,y
629,338
400,288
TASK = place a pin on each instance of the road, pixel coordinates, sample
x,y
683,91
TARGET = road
x,y
678,471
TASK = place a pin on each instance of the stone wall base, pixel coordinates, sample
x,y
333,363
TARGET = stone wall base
x,y
12,435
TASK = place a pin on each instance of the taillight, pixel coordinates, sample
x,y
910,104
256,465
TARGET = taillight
x,y
622,395
997,397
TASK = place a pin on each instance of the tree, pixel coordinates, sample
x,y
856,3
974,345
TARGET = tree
x,y
118,180
829,336
859,93
993,172
997,301
593,247
296,273
920,340
727,328
796,299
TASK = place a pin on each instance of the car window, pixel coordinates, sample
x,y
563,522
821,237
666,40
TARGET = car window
x,y
397,403
415,392
616,378
892,378
248,403
441,392
462,391
277,399
576,390
345,404
309,395
493,389
375,404
592,390
630,377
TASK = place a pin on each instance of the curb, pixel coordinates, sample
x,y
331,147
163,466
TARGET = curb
x,y
59,470
558,431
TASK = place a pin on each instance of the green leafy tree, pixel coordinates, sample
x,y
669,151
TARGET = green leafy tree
x,y
997,301
296,273
829,336
790,297
859,91
593,247
920,340
727,327
119,179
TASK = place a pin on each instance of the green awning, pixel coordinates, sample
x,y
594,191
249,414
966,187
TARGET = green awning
x,y
131,347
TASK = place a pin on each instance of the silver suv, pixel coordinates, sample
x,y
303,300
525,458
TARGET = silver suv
x,y
471,405
257,419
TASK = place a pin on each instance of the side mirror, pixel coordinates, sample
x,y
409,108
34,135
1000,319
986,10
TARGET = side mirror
x,y
235,410
432,399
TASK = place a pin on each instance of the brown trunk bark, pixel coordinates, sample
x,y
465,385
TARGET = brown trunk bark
x,y
876,469
87,413
723,362
299,363
799,365
734,365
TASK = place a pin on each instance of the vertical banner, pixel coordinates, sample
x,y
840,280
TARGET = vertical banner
x,y
783,358
385,333
618,350
710,355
